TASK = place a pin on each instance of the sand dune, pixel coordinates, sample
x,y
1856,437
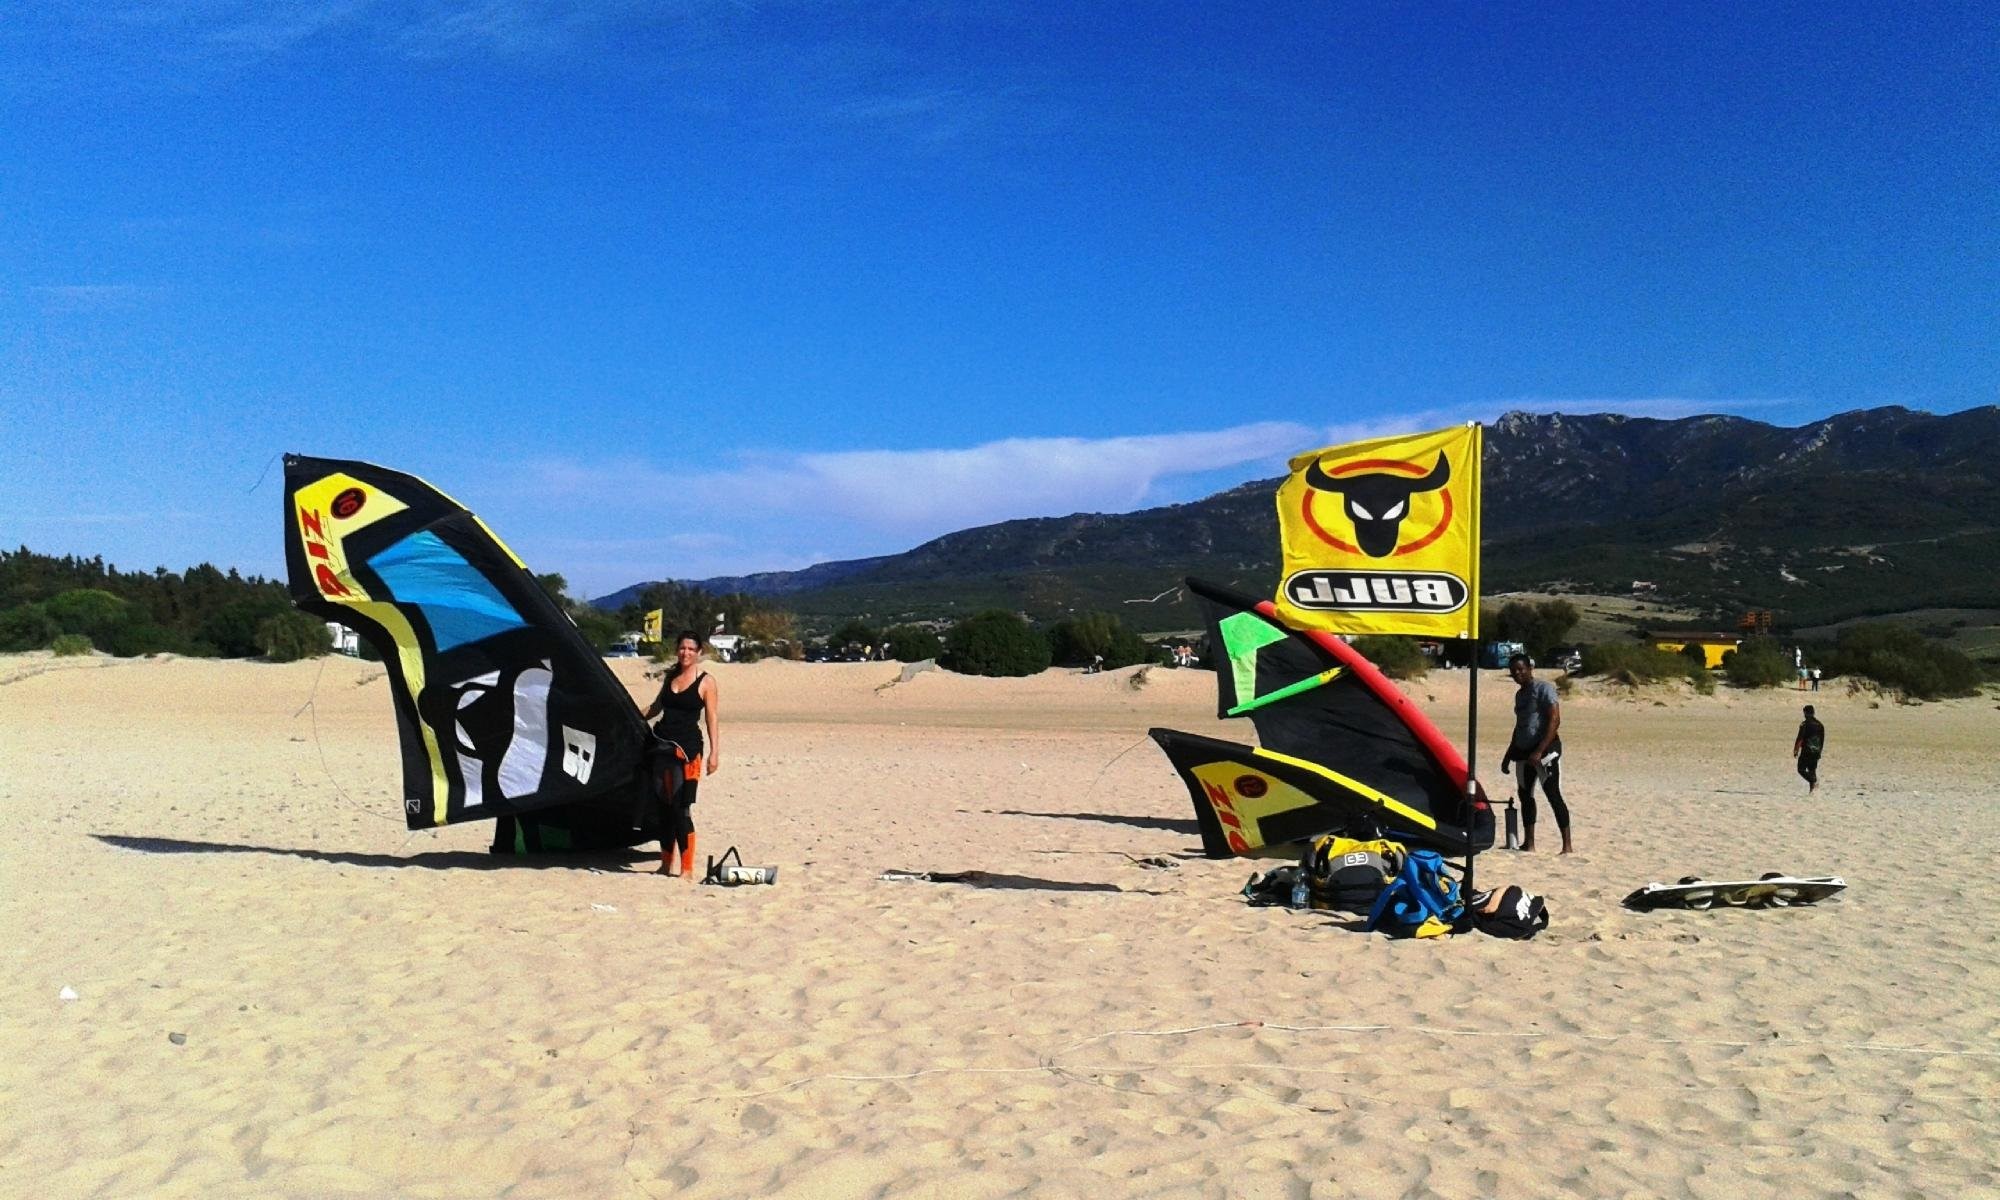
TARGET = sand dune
x,y
283,992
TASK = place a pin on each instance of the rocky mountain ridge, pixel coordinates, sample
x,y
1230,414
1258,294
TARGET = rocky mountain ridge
x,y
1875,510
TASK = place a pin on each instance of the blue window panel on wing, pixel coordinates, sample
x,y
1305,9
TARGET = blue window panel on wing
x,y
457,602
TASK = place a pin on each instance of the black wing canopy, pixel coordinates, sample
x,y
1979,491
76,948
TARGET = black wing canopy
x,y
503,709
1342,749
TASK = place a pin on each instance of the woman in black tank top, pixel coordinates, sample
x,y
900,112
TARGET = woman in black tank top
x,y
686,705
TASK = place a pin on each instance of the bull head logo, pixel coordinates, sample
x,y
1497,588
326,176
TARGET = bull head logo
x,y
1377,502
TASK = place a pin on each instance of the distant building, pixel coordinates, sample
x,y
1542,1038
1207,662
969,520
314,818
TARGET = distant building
x,y
345,640
1643,587
1713,645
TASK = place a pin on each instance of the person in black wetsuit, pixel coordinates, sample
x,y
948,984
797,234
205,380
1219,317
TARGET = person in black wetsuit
x,y
1537,746
1807,747
686,704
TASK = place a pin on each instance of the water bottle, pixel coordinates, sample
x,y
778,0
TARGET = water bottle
x,y
1301,892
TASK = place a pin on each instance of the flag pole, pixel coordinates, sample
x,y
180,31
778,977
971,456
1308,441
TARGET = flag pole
x,y
1472,699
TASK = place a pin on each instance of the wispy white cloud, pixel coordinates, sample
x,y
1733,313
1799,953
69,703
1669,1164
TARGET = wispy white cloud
x,y
149,516
262,30
1487,411
801,68
939,490
1662,407
779,511
96,297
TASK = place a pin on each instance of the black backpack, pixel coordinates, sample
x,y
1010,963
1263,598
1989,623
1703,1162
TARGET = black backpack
x,y
1510,912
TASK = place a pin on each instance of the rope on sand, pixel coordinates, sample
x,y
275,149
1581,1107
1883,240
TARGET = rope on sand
x,y
311,706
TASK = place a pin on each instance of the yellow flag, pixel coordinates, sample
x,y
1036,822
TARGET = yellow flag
x,y
1383,536
653,626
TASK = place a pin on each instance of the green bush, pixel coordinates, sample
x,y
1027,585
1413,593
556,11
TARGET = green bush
x,y
599,629
26,627
69,645
1398,657
1076,641
92,612
1537,624
995,642
140,636
1636,662
912,643
856,633
291,636
232,629
1898,657
1759,662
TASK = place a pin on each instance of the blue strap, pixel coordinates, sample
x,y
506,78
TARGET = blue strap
x,y
1421,889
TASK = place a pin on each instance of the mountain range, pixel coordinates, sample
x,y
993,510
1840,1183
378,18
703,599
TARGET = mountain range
x,y
1874,511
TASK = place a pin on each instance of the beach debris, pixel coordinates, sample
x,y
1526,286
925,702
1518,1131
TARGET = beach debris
x,y
603,908
1002,881
178,1039
1154,862
68,993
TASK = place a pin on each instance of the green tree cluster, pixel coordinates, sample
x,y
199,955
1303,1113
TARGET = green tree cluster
x,y
1898,657
1638,662
912,643
1396,657
855,634
1758,662
684,606
203,611
291,636
995,642
1540,625
1077,641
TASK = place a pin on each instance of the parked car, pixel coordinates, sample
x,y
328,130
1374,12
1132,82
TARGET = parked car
x,y
621,650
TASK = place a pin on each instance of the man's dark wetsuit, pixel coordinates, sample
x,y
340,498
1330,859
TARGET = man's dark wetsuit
x,y
1532,706
1811,742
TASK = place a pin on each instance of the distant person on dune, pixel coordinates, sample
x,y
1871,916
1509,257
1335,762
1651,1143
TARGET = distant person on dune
x,y
1537,747
1807,747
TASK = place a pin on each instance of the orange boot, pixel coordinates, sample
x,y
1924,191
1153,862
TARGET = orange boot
x,y
687,856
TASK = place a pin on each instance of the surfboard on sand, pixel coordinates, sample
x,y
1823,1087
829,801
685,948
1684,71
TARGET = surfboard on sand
x,y
1772,891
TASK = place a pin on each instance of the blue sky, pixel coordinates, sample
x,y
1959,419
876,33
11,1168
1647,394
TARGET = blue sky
x,y
680,289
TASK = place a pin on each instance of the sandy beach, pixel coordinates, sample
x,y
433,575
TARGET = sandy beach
x,y
280,991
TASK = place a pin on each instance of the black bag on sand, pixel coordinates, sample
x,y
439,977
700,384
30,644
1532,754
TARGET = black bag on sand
x,y
1508,912
1272,889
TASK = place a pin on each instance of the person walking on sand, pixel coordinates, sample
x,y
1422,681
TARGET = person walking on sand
x,y
1815,679
686,703
1537,746
1807,747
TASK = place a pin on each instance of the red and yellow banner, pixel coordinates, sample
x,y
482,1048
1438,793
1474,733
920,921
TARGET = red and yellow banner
x,y
1383,536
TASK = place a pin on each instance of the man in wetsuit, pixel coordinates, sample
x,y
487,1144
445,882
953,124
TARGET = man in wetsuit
x,y
1806,748
1536,746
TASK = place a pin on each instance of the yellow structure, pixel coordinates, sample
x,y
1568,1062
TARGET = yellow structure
x,y
1713,646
